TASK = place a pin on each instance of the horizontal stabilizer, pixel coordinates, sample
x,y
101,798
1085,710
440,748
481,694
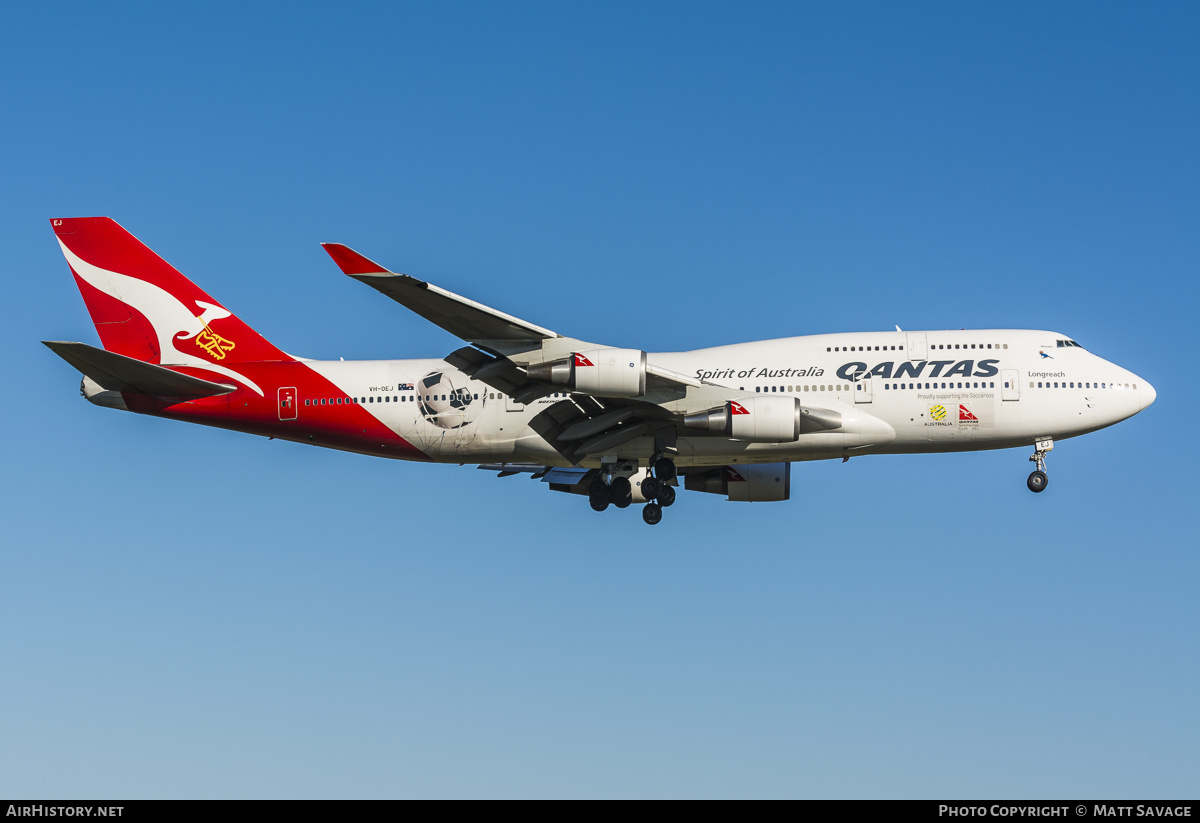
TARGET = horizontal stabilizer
x,y
116,372
466,319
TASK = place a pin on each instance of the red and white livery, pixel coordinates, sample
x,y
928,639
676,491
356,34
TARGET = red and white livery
x,y
620,426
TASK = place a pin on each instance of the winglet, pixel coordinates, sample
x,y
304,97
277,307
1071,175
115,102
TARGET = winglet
x,y
350,261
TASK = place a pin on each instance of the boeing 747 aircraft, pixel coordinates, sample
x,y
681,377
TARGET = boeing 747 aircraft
x,y
618,426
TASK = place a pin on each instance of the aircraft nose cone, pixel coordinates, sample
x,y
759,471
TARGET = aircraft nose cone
x,y
1146,392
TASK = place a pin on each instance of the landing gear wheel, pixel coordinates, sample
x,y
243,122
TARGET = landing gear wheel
x,y
599,504
666,496
623,502
597,490
1037,481
664,468
650,488
619,487
652,514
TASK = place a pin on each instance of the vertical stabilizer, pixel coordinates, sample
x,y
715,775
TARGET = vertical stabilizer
x,y
143,308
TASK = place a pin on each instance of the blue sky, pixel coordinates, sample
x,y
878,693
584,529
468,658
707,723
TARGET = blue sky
x,y
196,613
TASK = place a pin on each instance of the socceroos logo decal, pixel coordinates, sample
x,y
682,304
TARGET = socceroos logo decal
x,y
940,417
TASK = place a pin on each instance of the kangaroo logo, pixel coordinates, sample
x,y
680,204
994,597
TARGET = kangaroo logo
x,y
172,320
207,339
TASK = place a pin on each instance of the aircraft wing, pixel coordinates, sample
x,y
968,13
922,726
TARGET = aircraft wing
x,y
588,423
466,319
475,323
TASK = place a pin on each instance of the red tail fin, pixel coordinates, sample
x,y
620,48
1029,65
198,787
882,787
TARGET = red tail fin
x,y
145,309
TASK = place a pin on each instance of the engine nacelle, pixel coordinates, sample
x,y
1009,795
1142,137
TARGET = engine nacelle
x,y
755,419
603,372
753,482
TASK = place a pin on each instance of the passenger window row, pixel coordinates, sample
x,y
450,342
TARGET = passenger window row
x,y
964,385
886,386
393,398
1077,385
795,389
932,347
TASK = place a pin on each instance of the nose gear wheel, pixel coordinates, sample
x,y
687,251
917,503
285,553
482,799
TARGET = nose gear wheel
x,y
1038,480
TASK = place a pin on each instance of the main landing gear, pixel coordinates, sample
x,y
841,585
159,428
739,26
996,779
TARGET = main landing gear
x,y
619,491
656,490
1038,481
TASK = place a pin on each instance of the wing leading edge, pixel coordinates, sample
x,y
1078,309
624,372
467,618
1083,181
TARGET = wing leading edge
x,y
466,319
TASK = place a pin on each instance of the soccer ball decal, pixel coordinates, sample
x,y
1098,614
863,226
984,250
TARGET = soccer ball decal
x,y
445,405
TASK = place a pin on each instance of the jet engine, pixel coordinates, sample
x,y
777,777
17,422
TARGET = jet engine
x,y
603,372
753,482
763,419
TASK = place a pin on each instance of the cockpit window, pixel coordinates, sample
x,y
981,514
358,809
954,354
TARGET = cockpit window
x,y
1062,344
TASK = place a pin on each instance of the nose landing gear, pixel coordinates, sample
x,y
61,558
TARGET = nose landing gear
x,y
1038,481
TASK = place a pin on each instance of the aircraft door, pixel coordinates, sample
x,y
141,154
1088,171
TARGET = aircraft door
x,y
1010,387
287,403
863,391
917,349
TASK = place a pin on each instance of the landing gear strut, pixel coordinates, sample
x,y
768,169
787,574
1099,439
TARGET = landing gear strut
x,y
660,491
1038,481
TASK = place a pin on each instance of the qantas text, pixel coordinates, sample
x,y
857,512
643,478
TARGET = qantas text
x,y
889,370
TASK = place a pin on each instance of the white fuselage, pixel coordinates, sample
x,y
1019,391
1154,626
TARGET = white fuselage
x,y
897,392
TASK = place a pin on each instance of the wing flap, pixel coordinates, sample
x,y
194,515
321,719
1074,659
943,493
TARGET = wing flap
x,y
560,479
116,372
